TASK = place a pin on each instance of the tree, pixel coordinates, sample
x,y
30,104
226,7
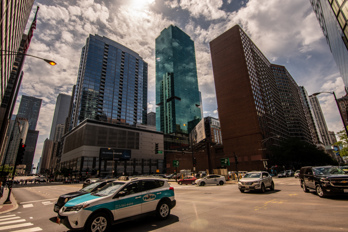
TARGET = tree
x,y
343,143
295,153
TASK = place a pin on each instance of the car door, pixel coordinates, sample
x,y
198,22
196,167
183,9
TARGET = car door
x,y
308,178
213,179
129,204
266,178
151,195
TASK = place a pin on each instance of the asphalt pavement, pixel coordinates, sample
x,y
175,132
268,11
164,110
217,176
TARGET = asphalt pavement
x,y
4,208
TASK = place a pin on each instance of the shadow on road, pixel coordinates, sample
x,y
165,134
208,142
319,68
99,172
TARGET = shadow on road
x,y
142,224
258,192
338,197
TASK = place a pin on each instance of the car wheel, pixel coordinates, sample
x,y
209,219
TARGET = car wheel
x,y
272,186
202,183
163,210
241,190
304,187
320,191
263,188
99,222
221,182
180,183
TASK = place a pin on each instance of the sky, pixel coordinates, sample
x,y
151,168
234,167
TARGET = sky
x,y
287,32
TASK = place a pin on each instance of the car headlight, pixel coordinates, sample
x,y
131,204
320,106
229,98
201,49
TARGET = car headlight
x,y
257,182
325,180
75,208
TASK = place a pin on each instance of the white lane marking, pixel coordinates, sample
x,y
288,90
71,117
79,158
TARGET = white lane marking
x,y
29,230
16,226
9,218
47,203
28,206
23,203
6,216
10,222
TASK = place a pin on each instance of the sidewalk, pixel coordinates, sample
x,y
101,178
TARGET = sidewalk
x,y
4,208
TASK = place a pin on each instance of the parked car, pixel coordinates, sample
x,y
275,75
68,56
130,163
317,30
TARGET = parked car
x,y
187,180
324,180
116,201
211,179
68,196
89,181
282,174
297,173
259,180
290,173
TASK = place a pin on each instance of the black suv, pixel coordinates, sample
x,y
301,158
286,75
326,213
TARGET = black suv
x,y
325,180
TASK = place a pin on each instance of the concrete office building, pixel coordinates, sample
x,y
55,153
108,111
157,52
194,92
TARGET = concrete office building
x,y
91,147
292,104
61,112
332,16
177,95
312,123
321,122
151,119
250,109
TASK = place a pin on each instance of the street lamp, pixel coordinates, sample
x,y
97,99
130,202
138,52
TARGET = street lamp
x,y
51,62
339,110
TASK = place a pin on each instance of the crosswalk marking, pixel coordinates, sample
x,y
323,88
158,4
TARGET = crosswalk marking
x,y
8,218
14,221
29,230
10,222
28,206
16,226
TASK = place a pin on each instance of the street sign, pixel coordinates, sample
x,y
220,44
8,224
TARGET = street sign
x,y
160,152
176,163
225,161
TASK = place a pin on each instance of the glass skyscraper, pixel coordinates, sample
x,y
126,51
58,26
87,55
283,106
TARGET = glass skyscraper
x,y
177,95
111,85
333,17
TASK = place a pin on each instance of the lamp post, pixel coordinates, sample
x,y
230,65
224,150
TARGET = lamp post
x,y
51,62
339,110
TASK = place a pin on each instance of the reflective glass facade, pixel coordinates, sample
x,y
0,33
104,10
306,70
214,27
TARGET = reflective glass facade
x,y
177,94
111,85
332,16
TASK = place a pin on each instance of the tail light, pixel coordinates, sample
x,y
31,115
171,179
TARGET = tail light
x,y
171,188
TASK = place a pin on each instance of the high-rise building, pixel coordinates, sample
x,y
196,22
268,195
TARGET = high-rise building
x,y
343,107
249,104
151,119
332,137
60,113
29,108
308,109
293,109
111,84
14,17
332,16
177,95
319,117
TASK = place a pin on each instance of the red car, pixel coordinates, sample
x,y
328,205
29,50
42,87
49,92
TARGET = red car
x,y
187,180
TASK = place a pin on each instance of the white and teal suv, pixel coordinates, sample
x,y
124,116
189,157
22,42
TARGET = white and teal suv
x,y
117,201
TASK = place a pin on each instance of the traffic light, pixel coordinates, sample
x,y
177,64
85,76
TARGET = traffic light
x,y
20,154
156,148
194,161
236,158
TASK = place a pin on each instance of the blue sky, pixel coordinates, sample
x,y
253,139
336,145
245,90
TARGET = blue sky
x,y
287,32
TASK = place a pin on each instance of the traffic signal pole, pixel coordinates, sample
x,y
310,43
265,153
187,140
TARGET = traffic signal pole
x,y
19,156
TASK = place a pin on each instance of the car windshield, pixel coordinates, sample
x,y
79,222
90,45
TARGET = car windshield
x,y
328,170
90,187
109,189
252,175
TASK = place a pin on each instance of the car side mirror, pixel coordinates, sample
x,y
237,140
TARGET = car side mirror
x,y
121,194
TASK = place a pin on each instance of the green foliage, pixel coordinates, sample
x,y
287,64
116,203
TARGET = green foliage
x,y
295,153
342,143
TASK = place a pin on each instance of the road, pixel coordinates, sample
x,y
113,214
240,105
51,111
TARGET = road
x,y
206,208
